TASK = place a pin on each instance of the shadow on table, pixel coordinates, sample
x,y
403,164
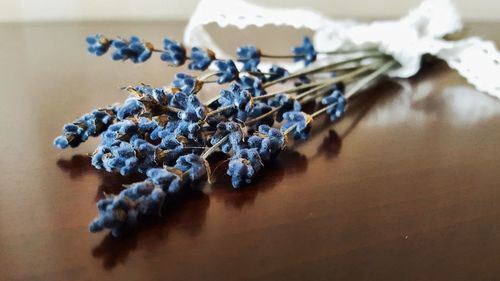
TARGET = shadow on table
x,y
187,211
186,214
289,162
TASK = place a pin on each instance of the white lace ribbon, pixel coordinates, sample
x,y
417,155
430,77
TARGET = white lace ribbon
x,y
420,32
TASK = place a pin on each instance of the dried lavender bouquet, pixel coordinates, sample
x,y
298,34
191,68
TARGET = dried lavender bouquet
x,y
168,134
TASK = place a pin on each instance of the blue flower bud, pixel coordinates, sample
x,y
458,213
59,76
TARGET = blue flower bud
x,y
179,100
227,71
185,82
194,110
285,103
260,108
98,44
336,110
132,49
130,107
305,52
239,98
174,54
61,142
145,153
190,130
137,190
168,181
249,56
268,141
253,85
243,166
336,104
201,58
121,130
301,122
147,125
159,95
152,203
234,140
112,214
121,211
193,165
277,72
89,125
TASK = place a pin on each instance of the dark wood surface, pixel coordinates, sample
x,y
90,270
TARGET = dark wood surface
x,y
406,187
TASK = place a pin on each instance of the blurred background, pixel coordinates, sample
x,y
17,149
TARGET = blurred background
x,y
153,10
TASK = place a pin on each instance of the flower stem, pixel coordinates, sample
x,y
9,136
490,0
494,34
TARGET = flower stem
x,y
342,52
218,110
335,80
214,147
280,56
329,53
355,71
318,88
362,83
205,77
289,130
317,69
271,112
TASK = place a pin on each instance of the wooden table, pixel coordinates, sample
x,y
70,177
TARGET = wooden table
x,y
406,187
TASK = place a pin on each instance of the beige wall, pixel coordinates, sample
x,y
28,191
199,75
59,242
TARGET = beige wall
x,y
61,10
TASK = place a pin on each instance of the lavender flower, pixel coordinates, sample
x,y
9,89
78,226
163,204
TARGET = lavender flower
x,y
91,124
194,111
133,49
177,128
259,109
277,72
305,52
167,133
121,211
299,122
173,147
170,182
125,157
179,100
227,71
193,165
253,85
147,125
120,158
98,44
201,58
130,107
186,83
285,103
188,129
336,103
174,54
145,153
249,56
243,166
268,141
122,130
237,97
116,214
234,140
160,96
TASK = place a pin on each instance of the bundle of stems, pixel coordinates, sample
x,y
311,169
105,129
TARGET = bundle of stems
x,y
168,134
